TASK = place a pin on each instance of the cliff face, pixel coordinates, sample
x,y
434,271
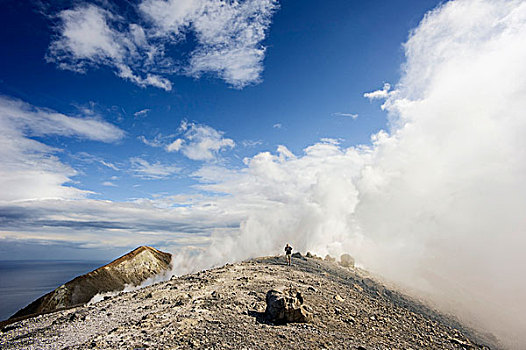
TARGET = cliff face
x,y
130,269
224,308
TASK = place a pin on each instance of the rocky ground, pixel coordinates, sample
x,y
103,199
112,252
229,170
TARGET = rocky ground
x,y
223,308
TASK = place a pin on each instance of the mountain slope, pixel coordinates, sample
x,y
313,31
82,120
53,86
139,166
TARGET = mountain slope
x,y
223,308
130,269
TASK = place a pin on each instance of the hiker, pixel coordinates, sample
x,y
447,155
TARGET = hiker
x,y
288,253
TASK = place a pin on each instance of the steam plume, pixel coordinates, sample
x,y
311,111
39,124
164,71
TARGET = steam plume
x,y
437,202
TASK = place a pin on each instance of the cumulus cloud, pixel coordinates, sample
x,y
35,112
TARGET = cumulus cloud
x,y
229,39
200,142
29,168
172,16
306,200
88,36
379,94
151,171
175,146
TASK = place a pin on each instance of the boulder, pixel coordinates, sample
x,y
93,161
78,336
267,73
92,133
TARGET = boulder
x,y
312,256
329,258
285,305
346,260
297,255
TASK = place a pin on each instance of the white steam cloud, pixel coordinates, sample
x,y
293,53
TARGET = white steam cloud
x,y
437,202
161,277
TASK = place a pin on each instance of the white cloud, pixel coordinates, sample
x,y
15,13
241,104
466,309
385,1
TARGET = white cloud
x,y
86,34
89,158
155,171
172,16
348,115
230,40
109,184
157,141
41,122
229,34
109,165
175,146
29,168
277,126
200,142
251,143
164,222
379,94
142,113
126,72
229,37
331,140
284,153
88,37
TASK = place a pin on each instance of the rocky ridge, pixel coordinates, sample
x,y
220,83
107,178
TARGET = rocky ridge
x,y
130,269
224,308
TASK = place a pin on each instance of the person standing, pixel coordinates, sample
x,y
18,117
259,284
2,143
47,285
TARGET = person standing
x,y
288,253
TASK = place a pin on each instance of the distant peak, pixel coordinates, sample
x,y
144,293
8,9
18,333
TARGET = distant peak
x,y
130,269
133,254
141,248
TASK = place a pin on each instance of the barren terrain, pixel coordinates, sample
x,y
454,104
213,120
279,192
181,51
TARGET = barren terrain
x,y
223,308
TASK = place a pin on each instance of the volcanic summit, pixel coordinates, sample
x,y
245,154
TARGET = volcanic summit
x,y
131,269
338,307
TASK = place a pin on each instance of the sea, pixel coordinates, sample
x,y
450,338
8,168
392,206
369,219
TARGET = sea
x,y
23,281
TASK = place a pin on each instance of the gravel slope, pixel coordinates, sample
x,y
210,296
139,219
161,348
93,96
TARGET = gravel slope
x,y
223,308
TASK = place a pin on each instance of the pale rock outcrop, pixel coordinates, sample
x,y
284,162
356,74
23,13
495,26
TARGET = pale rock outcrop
x,y
285,305
129,270
347,261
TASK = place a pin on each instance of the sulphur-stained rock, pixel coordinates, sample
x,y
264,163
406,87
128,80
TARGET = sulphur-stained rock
x,y
285,305
346,260
339,298
131,269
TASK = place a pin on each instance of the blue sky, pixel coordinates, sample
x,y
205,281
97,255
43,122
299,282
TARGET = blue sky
x,y
320,58
315,62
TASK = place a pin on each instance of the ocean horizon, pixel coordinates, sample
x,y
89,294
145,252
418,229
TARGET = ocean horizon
x,y
23,281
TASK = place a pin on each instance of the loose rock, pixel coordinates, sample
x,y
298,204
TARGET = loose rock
x,y
346,260
329,258
286,305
